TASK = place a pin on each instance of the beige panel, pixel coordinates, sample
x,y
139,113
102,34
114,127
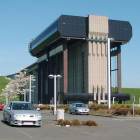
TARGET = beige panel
x,y
98,24
97,58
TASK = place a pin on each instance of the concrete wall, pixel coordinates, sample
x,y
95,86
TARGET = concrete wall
x,y
97,55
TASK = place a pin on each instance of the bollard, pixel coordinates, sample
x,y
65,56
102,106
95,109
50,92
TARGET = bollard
x,y
60,114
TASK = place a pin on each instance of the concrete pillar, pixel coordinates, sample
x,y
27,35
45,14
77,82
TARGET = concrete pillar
x,y
97,55
119,77
65,67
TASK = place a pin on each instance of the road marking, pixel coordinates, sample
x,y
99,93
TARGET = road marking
x,y
24,133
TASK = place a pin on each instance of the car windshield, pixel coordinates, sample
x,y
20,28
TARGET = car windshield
x,y
22,106
80,105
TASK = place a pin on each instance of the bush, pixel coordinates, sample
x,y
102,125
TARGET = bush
x,y
63,122
97,106
90,123
42,106
136,111
121,111
75,122
119,106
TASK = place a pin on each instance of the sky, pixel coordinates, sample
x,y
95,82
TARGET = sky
x,y
23,20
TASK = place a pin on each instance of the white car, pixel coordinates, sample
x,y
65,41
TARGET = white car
x,y
78,108
21,113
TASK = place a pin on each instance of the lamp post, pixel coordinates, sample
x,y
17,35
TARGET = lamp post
x,y
30,88
31,78
108,72
54,77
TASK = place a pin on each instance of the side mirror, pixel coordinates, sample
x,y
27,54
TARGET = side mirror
x,y
38,109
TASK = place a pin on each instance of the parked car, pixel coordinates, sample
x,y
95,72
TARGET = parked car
x,y
21,113
1,106
78,108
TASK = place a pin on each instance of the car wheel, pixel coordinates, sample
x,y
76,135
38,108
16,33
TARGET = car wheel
x,y
10,121
70,112
4,119
76,113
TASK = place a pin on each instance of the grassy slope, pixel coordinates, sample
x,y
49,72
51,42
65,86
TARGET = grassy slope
x,y
133,92
3,82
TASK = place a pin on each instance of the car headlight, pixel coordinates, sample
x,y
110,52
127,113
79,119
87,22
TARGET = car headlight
x,y
38,116
78,110
17,115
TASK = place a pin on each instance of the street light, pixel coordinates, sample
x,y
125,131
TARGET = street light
x,y
54,77
108,71
32,78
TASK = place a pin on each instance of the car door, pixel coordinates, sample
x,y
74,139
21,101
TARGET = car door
x,y
7,112
73,108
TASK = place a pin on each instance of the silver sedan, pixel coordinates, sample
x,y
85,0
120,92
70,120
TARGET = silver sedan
x,y
21,113
78,108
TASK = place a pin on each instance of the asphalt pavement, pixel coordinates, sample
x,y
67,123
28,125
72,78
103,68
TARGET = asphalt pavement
x,y
108,129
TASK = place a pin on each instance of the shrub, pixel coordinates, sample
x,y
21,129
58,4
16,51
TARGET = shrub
x,y
91,123
63,122
136,111
118,106
121,111
42,106
97,106
75,122
67,122
60,122
83,123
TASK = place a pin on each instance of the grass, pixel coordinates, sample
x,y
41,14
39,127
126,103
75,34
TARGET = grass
x,y
132,92
3,82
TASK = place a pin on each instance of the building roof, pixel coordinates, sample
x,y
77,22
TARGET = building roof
x,y
76,27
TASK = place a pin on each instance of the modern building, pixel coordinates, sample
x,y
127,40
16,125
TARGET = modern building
x,y
76,48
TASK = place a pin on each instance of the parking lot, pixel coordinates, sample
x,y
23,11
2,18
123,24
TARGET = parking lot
x,y
108,129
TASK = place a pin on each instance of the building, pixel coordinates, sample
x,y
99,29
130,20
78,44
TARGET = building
x,y
76,48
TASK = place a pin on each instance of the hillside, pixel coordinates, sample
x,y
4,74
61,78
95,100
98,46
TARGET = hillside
x,y
3,82
132,92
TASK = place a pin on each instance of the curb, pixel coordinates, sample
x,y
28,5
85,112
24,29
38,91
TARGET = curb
x,y
119,117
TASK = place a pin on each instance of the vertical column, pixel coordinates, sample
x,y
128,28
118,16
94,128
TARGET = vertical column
x,y
97,55
119,79
65,68
39,84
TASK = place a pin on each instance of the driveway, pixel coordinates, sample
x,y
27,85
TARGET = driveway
x,y
108,129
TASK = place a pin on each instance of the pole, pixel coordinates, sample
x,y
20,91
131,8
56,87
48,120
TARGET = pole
x,y
108,73
30,89
54,94
133,106
6,98
25,95
114,100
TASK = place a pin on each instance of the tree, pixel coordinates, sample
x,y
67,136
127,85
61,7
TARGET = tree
x,y
17,87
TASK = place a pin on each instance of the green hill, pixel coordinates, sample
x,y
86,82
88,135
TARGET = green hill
x,y
3,82
132,92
